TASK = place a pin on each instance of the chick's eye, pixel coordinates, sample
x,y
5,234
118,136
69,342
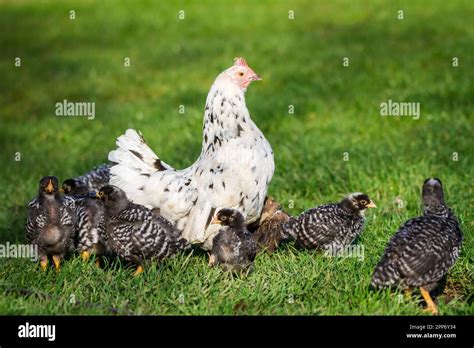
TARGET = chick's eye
x,y
364,202
224,218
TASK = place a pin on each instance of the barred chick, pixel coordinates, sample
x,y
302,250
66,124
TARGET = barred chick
x,y
93,180
233,247
331,226
134,232
50,223
423,249
90,236
270,233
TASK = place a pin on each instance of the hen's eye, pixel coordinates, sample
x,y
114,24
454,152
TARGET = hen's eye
x,y
241,73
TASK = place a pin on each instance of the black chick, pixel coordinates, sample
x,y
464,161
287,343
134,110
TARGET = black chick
x,y
50,223
270,233
233,246
71,187
134,232
423,249
330,227
92,180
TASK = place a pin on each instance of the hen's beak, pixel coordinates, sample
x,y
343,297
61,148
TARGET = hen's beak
x,y
216,221
371,205
50,187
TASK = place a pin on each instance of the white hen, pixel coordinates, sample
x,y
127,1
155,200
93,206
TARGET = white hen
x,y
233,171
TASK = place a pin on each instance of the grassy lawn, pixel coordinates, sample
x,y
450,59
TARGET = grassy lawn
x,y
336,110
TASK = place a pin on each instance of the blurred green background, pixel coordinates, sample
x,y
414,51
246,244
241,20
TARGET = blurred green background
x,y
173,63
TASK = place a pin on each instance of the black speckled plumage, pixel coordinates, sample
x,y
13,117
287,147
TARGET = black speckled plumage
x,y
134,232
424,248
330,226
270,233
93,180
50,222
233,246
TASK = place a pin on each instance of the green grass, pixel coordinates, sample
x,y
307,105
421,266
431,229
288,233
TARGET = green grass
x,y
336,110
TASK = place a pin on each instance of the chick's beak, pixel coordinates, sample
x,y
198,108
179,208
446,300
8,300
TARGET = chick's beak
x,y
61,190
50,187
98,195
371,205
255,77
216,221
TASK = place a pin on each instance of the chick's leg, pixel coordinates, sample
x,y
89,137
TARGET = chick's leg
x,y
139,270
212,259
407,292
429,301
57,262
85,255
44,263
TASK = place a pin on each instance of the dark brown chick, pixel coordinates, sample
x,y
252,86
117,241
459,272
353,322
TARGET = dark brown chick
x,y
269,233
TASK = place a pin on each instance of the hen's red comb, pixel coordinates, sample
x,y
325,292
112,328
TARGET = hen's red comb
x,y
240,61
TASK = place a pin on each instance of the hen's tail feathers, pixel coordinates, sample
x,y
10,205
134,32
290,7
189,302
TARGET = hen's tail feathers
x,y
135,162
134,153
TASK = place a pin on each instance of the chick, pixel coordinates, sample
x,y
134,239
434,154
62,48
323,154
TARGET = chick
x,y
270,233
92,180
50,223
90,236
233,246
423,249
71,187
332,226
134,232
